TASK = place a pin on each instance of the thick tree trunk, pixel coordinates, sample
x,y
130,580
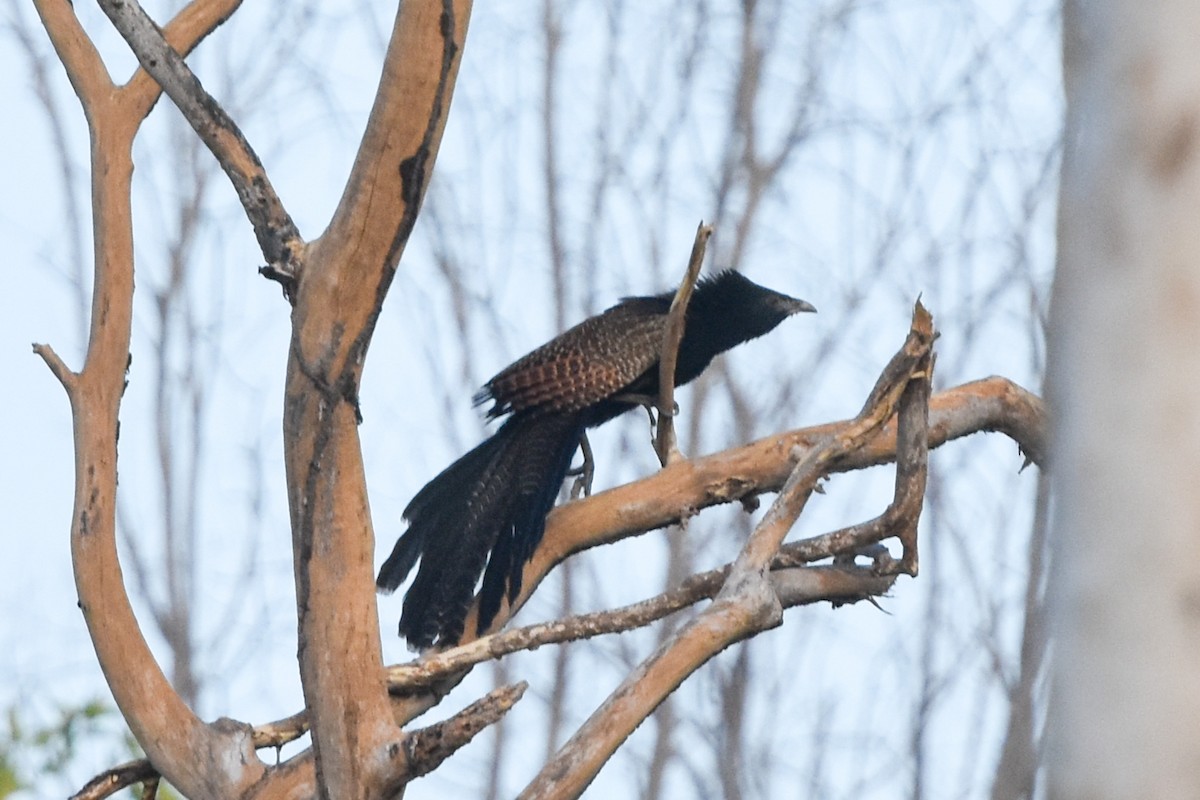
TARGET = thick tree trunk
x,y
1124,719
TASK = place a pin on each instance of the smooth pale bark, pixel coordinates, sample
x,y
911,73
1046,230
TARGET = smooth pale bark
x,y
1124,718
360,753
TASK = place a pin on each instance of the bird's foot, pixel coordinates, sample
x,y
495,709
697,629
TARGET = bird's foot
x,y
584,472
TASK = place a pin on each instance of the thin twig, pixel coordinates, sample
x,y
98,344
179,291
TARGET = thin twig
x,y
61,371
430,669
664,443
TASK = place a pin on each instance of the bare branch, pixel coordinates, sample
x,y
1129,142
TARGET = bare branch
x,y
839,584
273,227
188,28
912,462
178,743
347,275
429,747
880,406
61,371
293,778
282,731
181,746
746,603
992,404
85,68
111,781
665,443
387,183
830,583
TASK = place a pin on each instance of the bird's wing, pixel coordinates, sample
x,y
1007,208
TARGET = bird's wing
x,y
598,358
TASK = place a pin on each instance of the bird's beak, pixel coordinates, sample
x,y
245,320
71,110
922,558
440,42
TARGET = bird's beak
x,y
790,305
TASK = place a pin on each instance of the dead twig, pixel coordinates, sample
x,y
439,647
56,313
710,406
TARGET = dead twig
x,y
664,443
432,668
277,234
111,781
429,747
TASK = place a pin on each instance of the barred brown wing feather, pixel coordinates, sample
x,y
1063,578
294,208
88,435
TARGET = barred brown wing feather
x,y
590,362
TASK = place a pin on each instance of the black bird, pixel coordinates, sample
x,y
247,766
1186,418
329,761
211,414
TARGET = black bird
x,y
490,506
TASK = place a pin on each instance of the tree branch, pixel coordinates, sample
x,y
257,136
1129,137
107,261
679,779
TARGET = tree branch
x,y
111,781
912,462
85,69
746,603
338,299
273,227
190,26
60,370
835,583
894,390
429,747
203,761
664,444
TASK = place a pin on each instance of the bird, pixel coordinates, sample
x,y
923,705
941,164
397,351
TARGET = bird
x,y
485,514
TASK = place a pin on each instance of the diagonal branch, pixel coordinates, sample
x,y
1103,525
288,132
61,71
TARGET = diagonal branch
x,y
85,69
988,405
57,366
183,33
832,583
277,235
429,747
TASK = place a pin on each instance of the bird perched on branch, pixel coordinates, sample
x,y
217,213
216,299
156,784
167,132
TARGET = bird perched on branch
x,y
489,507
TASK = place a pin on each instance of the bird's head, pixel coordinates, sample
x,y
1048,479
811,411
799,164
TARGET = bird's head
x,y
732,302
727,309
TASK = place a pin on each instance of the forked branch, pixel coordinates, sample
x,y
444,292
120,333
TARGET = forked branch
x,y
182,746
273,227
746,603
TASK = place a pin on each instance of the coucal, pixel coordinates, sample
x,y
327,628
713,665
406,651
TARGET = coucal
x,y
489,507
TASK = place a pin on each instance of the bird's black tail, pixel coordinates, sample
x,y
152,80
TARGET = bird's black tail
x,y
494,500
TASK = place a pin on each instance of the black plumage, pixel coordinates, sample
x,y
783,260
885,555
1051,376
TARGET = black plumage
x,y
490,506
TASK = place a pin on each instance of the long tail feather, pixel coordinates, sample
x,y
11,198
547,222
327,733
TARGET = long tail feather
x,y
489,506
